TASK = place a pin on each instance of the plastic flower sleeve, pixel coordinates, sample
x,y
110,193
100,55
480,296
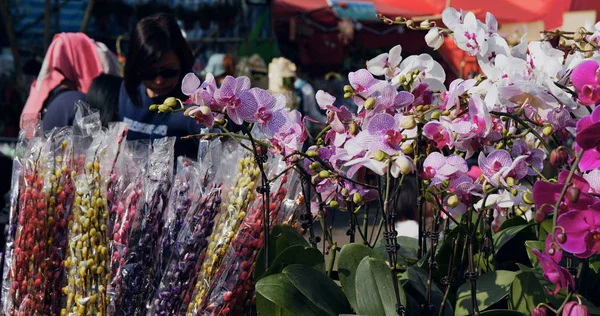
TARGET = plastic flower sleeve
x,y
27,291
188,251
86,265
60,188
232,286
132,164
16,187
234,208
139,270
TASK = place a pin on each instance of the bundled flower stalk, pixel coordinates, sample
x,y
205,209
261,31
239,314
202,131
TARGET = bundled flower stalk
x,y
232,287
27,269
126,205
188,251
86,265
138,272
227,224
61,191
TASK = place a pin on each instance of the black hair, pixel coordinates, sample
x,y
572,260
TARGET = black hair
x,y
405,201
103,95
152,37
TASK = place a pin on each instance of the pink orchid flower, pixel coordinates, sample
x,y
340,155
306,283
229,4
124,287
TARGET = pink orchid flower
x,y
438,167
456,89
554,273
382,133
588,139
582,231
553,250
586,80
335,116
574,308
546,194
535,156
229,95
498,166
269,111
440,132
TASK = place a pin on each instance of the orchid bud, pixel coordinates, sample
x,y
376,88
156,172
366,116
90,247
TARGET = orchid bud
x,y
528,198
405,164
573,194
539,311
353,128
408,122
407,148
324,174
547,130
370,103
153,107
410,23
575,309
402,79
348,95
436,115
312,153
434,38
510,181
539,216
347,89
419,108
334,204
578,37
453,201
357,198
561,238
164,108
315,166
170,102
559,157
518,212
345,191
379,155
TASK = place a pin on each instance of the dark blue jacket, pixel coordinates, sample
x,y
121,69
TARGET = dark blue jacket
x,y
60,108
144,124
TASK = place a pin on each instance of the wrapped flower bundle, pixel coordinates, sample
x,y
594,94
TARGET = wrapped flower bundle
x,y
227,224
27,269
61,191
140,267
189,249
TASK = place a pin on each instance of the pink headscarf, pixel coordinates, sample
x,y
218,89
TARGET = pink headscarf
x,y
71,56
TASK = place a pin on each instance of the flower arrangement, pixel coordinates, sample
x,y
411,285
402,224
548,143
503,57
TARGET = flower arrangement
x,y
509,157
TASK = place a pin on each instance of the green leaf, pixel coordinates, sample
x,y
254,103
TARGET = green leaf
x,y
296,254
417,279
595,263
525,293
407,250
515,221
501,312
348,260
376,294
491,288
268,308
280,238
534,244
504,236
278,289
318,289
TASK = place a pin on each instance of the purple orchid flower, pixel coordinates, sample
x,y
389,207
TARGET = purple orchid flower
x,y
574,308
440,132
498,166
231,95
553,250
554,273
586,80
335,116
291,139
364,84
582,231
422,94
535,156
381,134
269,111
438,167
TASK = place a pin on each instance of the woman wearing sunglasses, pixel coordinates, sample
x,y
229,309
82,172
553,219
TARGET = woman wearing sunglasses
x,y
157,60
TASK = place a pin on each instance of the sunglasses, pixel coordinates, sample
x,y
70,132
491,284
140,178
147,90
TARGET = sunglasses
x,y
165,73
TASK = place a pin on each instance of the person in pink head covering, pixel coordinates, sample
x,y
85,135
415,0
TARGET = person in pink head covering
x,y
72,61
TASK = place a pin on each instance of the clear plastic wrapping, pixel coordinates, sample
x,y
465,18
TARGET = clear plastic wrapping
x,y
60,188
26,272
86,265
235,205
138,272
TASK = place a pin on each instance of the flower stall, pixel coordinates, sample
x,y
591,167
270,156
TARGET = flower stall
x,y
505,169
